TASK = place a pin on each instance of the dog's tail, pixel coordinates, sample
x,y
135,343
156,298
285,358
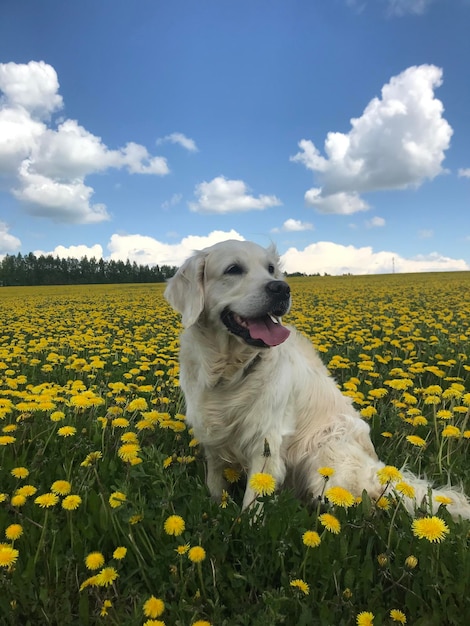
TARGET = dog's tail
x,y
431,498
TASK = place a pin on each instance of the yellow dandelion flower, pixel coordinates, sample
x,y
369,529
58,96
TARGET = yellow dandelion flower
x,y
47,500
432,400
451,431
388,474
383,503
182,549
197,554
128,451
155,622
444,414
138,404
300,584
71,502
445,500
8,555
89,582
61,487
263,484
153,607
91,458
340,497
19,472
6,440
116,499
129,437
67,431
57,416
200,622
107,604
3,497
26,490
119,553
18,501
120,422
174,525
398,616
400,384
434,529
167,462
330,522
94,560
365,619
311,538
386,434
326,472
106,576
13,531
416,441
405,489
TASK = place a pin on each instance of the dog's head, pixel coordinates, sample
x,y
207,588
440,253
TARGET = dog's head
x,y
236,286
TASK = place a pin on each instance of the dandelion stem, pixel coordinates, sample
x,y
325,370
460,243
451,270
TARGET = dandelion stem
x,y
41,538
201,580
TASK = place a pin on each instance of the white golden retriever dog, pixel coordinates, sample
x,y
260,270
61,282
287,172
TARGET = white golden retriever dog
x,y
248,380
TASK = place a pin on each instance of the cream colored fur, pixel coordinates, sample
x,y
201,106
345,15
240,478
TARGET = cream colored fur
x,y
238,396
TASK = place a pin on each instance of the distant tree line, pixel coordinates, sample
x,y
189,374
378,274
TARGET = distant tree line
x,y
30,269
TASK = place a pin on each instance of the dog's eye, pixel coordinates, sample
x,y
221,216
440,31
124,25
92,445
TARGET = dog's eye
x,y
271,268
234,270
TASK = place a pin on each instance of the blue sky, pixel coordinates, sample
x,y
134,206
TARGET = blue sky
x,y
338,129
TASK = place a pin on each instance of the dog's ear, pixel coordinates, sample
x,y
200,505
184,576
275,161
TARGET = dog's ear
x,y
272,251
185,290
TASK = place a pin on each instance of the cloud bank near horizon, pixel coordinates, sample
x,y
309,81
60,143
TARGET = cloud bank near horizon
x,y
322,257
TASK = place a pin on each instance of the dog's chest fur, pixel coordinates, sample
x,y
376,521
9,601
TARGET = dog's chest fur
x,y
227,404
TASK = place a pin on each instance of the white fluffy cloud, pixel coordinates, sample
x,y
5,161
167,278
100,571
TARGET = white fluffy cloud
x,y
292,225
180,139
426,233
398,142
221,195
321,257
8,243
375,222
394,7
142,249
48,162
464,173
333,258
146,250
74,252
405,7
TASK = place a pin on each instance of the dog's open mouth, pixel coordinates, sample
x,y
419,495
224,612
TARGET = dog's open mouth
x,y
263,332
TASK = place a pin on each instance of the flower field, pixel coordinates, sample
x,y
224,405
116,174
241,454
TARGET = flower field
x,y
104,515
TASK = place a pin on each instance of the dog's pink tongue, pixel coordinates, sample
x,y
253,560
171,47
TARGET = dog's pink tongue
x,y
265,329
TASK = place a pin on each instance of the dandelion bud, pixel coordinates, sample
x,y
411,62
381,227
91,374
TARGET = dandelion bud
x,y
382,560
267,450
411,562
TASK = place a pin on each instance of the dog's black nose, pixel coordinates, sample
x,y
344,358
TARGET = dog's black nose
x,y
279,288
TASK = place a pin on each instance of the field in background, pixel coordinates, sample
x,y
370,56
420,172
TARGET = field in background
x,y
95,457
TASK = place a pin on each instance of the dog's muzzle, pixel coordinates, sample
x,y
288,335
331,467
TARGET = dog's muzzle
x,y
265,330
